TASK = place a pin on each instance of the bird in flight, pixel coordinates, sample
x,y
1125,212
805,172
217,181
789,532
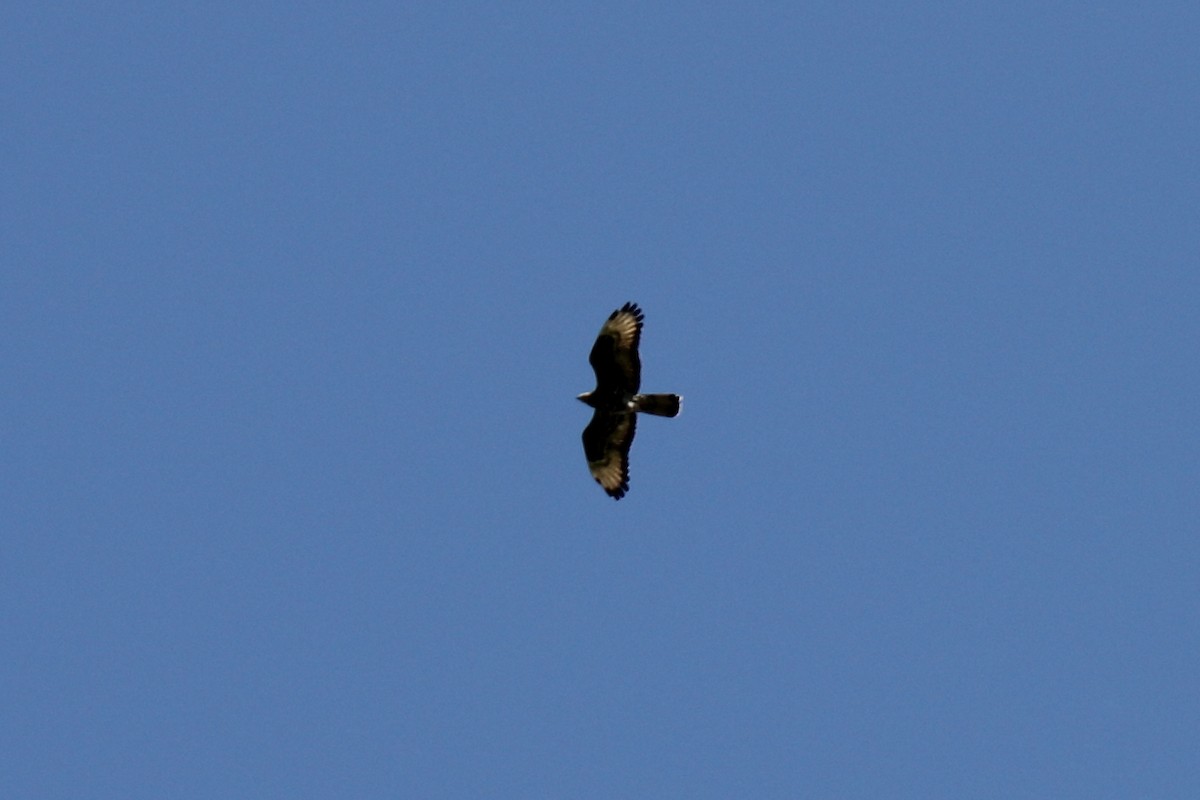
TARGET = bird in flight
x,y
607,438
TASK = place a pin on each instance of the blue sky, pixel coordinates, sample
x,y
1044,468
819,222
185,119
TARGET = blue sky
x,y
297,299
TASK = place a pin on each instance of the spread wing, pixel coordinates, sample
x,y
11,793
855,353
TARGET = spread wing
x,y
606,443
615,354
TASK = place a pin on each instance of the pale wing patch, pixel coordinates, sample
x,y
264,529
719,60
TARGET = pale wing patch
x,y
624,328
609,473
611,470
624,325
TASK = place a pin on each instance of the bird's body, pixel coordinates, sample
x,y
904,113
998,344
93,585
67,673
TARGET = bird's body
x,y
618,368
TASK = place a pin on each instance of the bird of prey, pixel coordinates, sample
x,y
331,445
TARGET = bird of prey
x,y
607,438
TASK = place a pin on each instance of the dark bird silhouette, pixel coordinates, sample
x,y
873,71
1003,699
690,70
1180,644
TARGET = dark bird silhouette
x,y
608,437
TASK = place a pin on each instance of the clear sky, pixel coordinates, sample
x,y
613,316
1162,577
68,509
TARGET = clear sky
x,y
296,299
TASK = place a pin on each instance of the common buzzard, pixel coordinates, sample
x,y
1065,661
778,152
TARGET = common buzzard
x,y
607,438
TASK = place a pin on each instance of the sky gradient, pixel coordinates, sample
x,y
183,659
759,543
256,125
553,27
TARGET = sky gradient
x,y
297,299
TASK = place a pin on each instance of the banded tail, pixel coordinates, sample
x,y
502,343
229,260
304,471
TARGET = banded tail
x,y
664,405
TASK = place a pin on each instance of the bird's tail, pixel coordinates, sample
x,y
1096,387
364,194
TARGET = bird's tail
x,y
664,405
